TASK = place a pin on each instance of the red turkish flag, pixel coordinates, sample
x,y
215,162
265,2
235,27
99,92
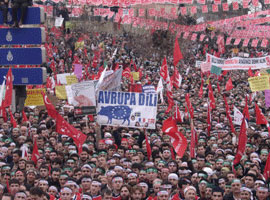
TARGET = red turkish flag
x,y
64,128
192,143
169,125
218,87
214,8
9,87
119,23
266,171
126,73
12,120
260,118
245,111
177,54
170,101
208,119
35,154
211,96
204,9
242,141
49,107
201,89
148,147
229,84
250,73
189,105
225,7
24,117
235,5
164,73
179,142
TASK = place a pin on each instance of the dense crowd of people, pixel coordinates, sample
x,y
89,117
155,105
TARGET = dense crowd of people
x,y
113,163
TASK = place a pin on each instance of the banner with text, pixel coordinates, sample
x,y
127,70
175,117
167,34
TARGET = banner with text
x,y
127,109
259,83
235,63
34,97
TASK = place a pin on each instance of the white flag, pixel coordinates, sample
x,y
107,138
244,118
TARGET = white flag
x,y
160,89
100,80
2,92
237,116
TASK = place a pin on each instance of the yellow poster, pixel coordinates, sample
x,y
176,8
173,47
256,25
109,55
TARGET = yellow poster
x,y
69,25
60,91
71,79
79,45
259,83
34,97
136,76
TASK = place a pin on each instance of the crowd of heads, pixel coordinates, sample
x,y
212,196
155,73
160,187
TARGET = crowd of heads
x,y
113,163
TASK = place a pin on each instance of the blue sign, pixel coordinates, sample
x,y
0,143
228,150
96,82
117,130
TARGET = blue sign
x,y
12,36
25,76
35,15
22,56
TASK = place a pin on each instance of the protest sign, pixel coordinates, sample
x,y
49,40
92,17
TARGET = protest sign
x,y
235,63
267,98
34,97
78,70
149,89
127,109
71,79
82,97
205,67
60,91
135,75
259,83
61,78
58,21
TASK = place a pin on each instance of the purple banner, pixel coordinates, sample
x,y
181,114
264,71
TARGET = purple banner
x,y
267,98
78,70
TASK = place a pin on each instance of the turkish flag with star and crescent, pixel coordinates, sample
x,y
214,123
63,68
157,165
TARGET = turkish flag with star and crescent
x,y
9,87
35,154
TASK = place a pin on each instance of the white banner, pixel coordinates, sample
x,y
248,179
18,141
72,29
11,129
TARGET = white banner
x,y
127,109
58,21
235,63
149,89
82,95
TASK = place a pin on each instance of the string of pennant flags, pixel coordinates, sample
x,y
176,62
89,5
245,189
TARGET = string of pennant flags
x,y
215,7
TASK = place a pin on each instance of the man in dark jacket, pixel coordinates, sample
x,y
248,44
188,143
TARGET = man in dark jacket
x,y
4,9
22,4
